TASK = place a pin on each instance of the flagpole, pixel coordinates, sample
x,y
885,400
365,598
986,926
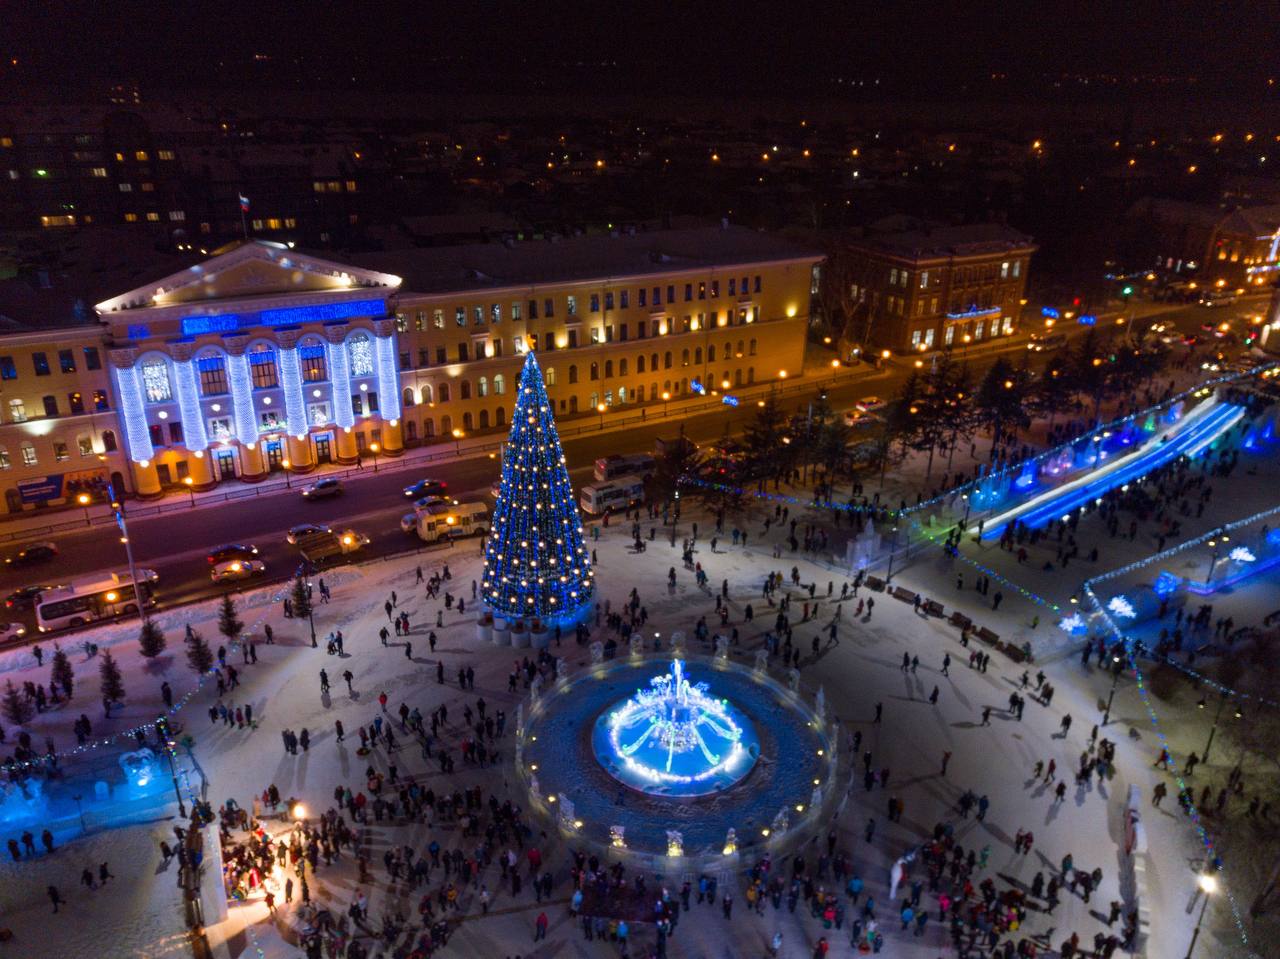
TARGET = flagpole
x,y
244,211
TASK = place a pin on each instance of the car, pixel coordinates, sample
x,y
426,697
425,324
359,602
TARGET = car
x,y
424,487
24,598
237,569
35,553
323,488
869,403
425,501
409,522
1217,298
304,530
856,419
11,631
228,551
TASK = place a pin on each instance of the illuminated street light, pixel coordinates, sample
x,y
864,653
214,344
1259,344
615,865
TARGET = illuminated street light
x,y
190,484
600,408
374,447
84,499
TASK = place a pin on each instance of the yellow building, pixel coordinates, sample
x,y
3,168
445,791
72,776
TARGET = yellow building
x,y
262,359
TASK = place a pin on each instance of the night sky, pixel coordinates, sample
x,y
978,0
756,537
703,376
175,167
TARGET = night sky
x,y
941,48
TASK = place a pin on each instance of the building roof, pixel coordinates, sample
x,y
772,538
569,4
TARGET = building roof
x,y
484,266
1177,211
1255,221
935,242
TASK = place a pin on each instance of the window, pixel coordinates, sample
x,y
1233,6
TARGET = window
x,y
360,350
177,216
608,301
548,308
482,387
915,339
1004,270
219,430
595,371
262,367
155,381
533,309
608,369
684,358
756,288
175,434
213,375
477,315
500,381
314,367
85,445
460,316
573,374
623,299
17,411
666,360
357,404
977,330
948,335
125,187
573,339
928,338
640,363
702,291
1017,268
28,455
165,154
462,353
100,401
733,286
622,366
427,395
688,292
153,217
76,403
50,405
67,361
495,313
464,390
8,370
441,356
444,392
41,363
4,458
924,280
92,361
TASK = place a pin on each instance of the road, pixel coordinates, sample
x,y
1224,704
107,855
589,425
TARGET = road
x,y
175,545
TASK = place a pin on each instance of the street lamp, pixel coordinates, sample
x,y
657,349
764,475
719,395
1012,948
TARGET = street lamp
x,y
173,771
190,484
665,397
1204,757
1217,545
1208,885
893,545
285,464
84,499
600,410
374,447
457,441
1115,678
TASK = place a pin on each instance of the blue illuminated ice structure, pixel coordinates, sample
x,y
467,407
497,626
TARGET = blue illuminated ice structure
x,y
673,738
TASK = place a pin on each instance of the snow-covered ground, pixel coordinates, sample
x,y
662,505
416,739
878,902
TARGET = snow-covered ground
x,y
862,669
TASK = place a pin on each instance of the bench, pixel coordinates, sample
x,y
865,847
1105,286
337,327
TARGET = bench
x,y
988,637
876,583
933,608
959,619
905,595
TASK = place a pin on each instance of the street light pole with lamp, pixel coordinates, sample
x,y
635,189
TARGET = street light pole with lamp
x,y
457,441
84,499
190,484
600,408
1204,757
666,396
1208,885
1217,544
284,465
1115,678
374,447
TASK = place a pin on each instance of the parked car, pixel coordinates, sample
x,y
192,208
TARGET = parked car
x,y
24,598
869,403
237,569
323,488
35,553
303,530
424,487
230,551
11,631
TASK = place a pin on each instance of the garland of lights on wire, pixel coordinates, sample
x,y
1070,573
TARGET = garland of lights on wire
x,y
535,562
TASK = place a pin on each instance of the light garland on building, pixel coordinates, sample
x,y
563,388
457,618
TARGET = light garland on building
x,y
242,399
135,414
291,380
388,378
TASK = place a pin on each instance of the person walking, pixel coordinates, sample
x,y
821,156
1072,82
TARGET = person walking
x,y
55,897
540,927
946,760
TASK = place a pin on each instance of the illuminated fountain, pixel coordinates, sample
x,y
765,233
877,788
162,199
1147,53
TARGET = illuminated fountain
x,y
674,738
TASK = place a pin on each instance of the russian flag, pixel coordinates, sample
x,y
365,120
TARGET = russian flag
x,y
244,203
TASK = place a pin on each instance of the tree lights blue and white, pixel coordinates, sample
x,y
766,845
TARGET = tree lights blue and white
x,y
535,563
673,737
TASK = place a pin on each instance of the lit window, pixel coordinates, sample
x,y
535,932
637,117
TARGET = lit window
x,y
85,445
4,459
140,156
153,217
28,455
313,362
17,411
177,216
318,186
262,367
60,451
125,187
351,186
165,154
98,171
59,220
213,375
148,188
360,349
290,222
155,381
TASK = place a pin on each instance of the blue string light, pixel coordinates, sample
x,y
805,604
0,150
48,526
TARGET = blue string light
x,y
535,563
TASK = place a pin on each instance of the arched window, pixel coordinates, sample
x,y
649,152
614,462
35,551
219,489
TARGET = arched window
x,y
464,391
653,362
466,421
410,431
684,357
313,359
446,425
211,367
501,417
109,441
262,367
622,394
408,396
653,392
4,458
739,353
573,374
444,394
154,372
360,353
427,394
711,353
751,373
549,375
622,366
482,387
428,428
595,371
728,349
737,377
640,363
697,356
608,369
484,419
573,404
753,347
666,360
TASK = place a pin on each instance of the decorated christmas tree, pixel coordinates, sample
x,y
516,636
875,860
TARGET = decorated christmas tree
x,y
535,563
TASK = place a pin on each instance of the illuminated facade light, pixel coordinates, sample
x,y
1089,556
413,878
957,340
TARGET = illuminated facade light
x,y
242,398
291,380
193,431
388,378
135,414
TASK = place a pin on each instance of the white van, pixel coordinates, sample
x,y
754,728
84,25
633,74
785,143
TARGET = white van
x,y
449,520
611,467
621,493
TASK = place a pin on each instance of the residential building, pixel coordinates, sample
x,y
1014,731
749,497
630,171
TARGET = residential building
x,y
1217,246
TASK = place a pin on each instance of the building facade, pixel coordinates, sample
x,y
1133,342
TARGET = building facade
x,y
261,359
930,289
1218,247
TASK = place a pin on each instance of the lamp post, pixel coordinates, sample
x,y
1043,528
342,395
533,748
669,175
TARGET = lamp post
x,y
1217,545
1115,678
84,499
967,504
285,464
173,771
893,546
600,409
1208,885
128,552
1204,757
457,441
665,397
374,448
190,484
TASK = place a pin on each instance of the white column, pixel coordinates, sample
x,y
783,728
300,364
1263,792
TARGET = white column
x,y
388,377
135,414
194,435
246,418
340,380
291,380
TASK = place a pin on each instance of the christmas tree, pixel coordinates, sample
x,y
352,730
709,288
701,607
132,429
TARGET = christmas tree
x,y
151,640
535,563
62,672
112,682
199,656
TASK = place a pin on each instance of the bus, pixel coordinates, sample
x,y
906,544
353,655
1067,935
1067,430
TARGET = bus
x,y
449,520
622,493
87,600
610,467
